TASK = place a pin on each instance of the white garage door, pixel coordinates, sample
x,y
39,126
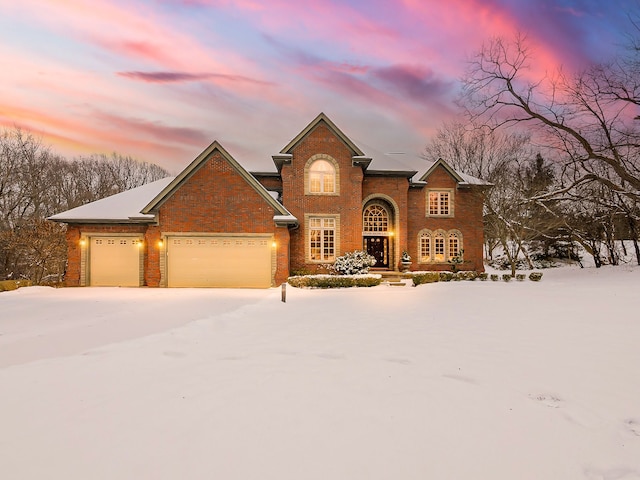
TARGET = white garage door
x,y
114,262
219,262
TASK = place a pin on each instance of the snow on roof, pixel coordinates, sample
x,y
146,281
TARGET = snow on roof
x,y
469,179
125,206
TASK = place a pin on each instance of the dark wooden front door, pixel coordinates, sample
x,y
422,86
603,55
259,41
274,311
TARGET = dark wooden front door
x,y
378,247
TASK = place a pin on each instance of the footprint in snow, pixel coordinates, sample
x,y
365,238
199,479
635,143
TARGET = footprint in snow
x,y
401,361
633,425
548,400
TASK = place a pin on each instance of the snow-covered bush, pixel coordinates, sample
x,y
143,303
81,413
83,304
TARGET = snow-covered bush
x,y
468,275
494,277
354,263
520,277
334,281
535,276
446,276
425,277
483,276
507,277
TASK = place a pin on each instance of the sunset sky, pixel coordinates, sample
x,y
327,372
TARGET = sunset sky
x,y
160,80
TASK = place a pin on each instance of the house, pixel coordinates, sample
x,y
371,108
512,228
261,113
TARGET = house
x,y
215,224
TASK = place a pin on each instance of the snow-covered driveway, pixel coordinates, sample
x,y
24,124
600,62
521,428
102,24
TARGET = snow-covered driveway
x,y
465,380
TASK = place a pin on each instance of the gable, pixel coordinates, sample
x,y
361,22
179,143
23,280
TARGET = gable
x,y
217,158
322,119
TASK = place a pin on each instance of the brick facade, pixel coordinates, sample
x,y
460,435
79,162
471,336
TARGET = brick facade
x,y
215,195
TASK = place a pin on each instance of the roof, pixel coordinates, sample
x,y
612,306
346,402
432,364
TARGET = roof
x,y
460,177
322,118
194,166
122,207
139,205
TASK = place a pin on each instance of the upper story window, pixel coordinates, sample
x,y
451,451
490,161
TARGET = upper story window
x,y
322,177
440,203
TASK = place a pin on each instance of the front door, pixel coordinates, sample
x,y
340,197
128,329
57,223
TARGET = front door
x,y
378,247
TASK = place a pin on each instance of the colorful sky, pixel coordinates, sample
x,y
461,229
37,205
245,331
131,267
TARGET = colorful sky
x,y
160,80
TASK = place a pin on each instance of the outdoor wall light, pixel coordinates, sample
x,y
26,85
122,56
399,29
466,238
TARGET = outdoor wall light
x,y
160,244
274,244
83,242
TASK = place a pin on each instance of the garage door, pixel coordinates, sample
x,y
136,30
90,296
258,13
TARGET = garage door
x,y
114,261
219,262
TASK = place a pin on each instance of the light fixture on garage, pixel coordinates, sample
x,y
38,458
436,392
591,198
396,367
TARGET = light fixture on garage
x,y
83,242
274,244
139,243
160,244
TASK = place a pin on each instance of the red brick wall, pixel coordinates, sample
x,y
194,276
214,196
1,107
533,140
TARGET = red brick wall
x,y
467,219
348,204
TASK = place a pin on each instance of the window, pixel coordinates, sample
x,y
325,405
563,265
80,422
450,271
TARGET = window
x,y
439,246
322,239
439,203
454,246
322,177
425,247
375,219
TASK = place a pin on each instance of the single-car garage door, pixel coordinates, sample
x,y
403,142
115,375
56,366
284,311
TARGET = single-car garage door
x,y
219,261
114,262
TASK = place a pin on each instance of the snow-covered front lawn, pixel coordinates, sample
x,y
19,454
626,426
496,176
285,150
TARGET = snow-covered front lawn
x,y
464,380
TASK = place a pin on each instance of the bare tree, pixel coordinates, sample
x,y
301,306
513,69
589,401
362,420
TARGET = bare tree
x,y
590,117
35,183
513,220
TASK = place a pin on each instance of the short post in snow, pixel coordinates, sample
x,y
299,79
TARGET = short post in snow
x,y
284,292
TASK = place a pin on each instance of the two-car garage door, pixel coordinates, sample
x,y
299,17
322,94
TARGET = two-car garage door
x,y
191,261
219,261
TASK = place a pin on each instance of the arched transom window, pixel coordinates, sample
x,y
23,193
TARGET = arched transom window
x,y
375,219
322,177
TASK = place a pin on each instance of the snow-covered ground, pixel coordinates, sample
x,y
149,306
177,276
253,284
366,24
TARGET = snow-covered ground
x,y
464,380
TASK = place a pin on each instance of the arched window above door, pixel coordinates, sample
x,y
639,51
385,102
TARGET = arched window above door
x,y
375,218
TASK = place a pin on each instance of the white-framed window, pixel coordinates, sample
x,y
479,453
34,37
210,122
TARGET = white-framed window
x,y
439,246
425,246
322,239
375,219
440,203
454,245
322,177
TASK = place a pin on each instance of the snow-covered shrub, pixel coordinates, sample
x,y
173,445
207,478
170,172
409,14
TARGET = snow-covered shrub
x,y
506,277
468,275
425,277
483,276
535,276
334,281
353,263
446,276
495,277
520,277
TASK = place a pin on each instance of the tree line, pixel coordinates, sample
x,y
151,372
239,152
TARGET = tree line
x,y
562,151
36,183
